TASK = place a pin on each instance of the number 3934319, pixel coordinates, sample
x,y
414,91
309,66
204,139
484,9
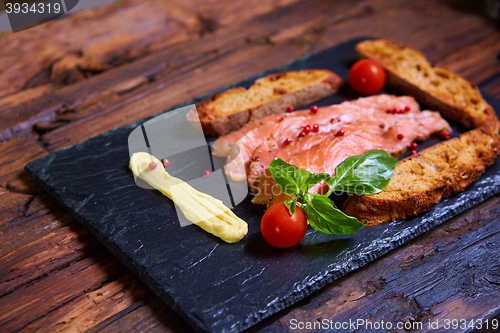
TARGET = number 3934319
x,y
25,15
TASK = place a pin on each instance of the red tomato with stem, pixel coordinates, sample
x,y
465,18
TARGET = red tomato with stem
x,y
367,76
280,229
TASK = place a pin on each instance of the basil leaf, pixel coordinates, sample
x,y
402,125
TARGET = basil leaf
x,y
291,204
315,178
292,179
323,216
284,176
302,176
368,173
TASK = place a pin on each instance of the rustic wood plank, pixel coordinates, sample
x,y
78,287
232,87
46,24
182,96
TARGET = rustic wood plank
x,y
14,155
411,24
33,218
20,119
492,86
110,43
81,63
43,260
24,95
23,184
91,308
32,302
71,49
38,266
478,62
43,257
151,315
12,205
216,14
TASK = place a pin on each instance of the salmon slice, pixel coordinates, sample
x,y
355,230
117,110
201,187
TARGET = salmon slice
x,y
240,152
240,145
324,153
275,147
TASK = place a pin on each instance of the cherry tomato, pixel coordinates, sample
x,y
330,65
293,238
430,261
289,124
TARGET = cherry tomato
x,y
367,76
280,229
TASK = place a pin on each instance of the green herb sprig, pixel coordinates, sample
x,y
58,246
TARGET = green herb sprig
x,y
368,174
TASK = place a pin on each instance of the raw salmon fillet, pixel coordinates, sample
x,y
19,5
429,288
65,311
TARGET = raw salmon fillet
x,y
351,121
365,135
239,146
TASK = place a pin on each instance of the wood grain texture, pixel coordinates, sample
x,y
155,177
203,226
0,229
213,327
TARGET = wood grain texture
x,y
50,294
14,155
134,59
12,205
71,49
40,216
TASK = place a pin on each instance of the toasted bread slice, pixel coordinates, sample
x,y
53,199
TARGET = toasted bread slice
x,y
409,71
422,180
222,113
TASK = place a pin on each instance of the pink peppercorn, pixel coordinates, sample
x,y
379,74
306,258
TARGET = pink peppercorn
x,y
315,128
165,162
314,109
400,136
152,165
290,109
445,135
207,173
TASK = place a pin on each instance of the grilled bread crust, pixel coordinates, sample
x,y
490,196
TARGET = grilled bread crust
x,y
422,180
222,113
409,71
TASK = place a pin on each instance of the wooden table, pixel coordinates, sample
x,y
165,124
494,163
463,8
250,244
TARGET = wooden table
x,y
68,80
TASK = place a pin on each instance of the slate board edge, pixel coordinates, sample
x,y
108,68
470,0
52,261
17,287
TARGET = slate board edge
x,y
327,277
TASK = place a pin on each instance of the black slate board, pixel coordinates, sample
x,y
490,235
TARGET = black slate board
x,y
215,286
